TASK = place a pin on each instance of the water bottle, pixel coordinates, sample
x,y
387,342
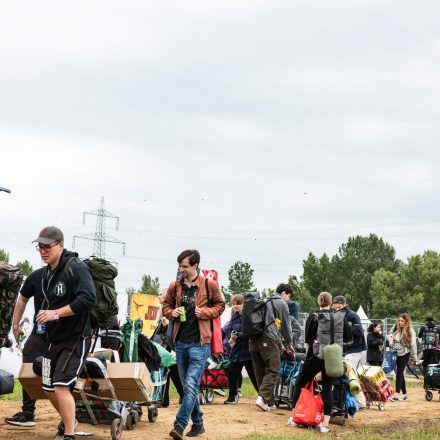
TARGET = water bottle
x,y
41,328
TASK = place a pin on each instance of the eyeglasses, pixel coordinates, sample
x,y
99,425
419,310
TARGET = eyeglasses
x,y
45,247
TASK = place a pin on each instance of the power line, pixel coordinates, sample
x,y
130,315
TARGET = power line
x,y
100,238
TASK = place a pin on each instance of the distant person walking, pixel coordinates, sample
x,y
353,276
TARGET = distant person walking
x,y
403,342
375,344
429,335
239,353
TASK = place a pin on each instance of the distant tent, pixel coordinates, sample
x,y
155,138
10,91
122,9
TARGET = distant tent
x,y
364,318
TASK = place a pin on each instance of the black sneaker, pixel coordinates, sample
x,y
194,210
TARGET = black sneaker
x,y
231,400
196,430
69,437
21,419
60,431
177,433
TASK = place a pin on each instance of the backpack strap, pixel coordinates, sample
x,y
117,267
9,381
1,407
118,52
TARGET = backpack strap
x,y
209,300
275,315
332,329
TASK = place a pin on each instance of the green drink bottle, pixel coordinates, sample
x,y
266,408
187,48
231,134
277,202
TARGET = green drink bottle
x,y
182,316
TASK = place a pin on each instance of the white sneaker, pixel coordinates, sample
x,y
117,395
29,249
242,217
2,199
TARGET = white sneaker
x,y
219,391
291,423
262,404
240,394
323,429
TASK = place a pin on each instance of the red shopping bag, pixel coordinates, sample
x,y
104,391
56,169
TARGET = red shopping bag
x,y
309,408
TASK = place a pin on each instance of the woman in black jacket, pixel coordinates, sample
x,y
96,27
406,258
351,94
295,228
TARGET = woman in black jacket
x,y
375,345
313,364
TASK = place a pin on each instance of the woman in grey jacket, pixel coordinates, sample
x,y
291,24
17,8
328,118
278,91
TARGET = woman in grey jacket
x,y
403,342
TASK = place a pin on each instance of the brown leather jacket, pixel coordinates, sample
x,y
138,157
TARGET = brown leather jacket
x,y
173,298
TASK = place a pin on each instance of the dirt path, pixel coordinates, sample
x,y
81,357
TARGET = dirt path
x,y
232,421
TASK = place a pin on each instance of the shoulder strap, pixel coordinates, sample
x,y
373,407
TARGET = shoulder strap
x,y
332,329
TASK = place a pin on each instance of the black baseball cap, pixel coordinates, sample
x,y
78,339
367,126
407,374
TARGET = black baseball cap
x,y
339,300
49,235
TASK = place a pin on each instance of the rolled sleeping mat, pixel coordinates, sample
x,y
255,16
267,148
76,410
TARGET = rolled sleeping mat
x,y
353,381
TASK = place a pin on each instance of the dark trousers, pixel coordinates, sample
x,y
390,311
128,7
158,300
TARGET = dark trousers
x,y
375,363
235,376
309,370
174,376
36,345
400,378
266,362
429,357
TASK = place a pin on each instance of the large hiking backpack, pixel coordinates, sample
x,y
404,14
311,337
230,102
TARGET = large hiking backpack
x,y
324,335
430,337
103,274
10,282
254,315
329,340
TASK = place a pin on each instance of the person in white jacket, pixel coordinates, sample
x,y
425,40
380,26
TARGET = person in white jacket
x,y
403,342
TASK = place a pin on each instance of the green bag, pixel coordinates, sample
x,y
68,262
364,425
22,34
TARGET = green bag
x,y
130,334
166,358
334,366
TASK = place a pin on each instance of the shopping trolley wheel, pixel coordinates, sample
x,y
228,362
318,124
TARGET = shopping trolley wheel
x,y
428,396
381,406
209,396
202,399
116,429
131,422
368,404
152,413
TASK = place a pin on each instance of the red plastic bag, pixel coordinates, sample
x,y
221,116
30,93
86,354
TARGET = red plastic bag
x,y
309,408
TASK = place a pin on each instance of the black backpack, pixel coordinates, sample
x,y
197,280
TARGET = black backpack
x,y
430,337
253,317
103,274
10,282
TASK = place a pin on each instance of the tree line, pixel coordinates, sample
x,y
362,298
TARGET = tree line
x,y
365,270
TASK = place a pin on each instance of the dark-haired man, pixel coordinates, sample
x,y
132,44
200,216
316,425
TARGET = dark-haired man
x,y
286,292
186,303
62,320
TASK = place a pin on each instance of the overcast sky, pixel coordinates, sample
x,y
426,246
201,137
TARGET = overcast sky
x,y
250,130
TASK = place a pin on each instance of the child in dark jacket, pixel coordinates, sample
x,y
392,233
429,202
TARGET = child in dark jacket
x,y
239,353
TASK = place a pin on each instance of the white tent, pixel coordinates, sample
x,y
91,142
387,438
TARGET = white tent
x,y
364,318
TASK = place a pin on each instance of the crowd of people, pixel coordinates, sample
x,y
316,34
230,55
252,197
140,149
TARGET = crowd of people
x,y
189,307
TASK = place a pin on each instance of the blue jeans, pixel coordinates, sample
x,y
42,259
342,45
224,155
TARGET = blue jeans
x,y
191,359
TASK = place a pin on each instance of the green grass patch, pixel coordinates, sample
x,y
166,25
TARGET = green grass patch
x,y
16,395
426,433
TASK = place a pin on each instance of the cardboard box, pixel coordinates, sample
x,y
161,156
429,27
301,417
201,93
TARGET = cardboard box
x,y
131,381
374,375
31,382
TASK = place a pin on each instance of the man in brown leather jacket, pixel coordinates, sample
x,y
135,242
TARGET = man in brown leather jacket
x,y
191,311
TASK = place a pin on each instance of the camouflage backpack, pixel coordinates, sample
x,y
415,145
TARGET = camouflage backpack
x,y
10,283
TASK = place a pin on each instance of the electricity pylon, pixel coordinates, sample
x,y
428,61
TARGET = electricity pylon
x,y
100,238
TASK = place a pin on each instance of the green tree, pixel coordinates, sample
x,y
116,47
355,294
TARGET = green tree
x,y
240,280
307,302
150,285
318,274
355,265
4,256
414,288
25,267
266,292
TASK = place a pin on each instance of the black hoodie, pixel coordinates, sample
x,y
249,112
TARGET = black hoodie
x,y
54,289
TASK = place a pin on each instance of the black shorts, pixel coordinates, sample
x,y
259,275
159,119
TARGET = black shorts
x,y
63,362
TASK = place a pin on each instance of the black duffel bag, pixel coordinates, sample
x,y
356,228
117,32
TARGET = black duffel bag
x,y
6,382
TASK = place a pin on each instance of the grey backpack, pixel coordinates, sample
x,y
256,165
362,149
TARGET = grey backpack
x,y
330,330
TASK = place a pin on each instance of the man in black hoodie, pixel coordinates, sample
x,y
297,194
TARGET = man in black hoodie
x,y
64,304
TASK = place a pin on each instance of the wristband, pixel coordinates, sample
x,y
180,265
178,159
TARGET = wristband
x,y
56,317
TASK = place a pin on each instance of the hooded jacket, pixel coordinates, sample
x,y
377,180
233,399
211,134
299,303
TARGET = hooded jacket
x,y
53,290
375,350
